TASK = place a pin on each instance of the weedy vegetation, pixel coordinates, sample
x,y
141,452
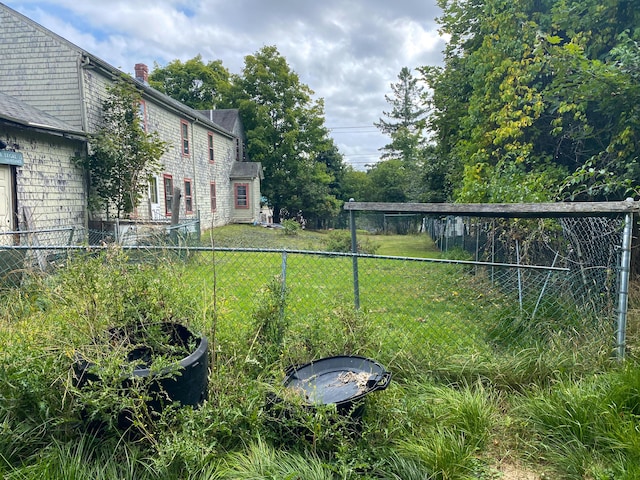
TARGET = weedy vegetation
x,y
446,415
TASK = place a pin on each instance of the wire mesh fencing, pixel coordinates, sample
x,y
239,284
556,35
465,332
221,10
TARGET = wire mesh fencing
x,y
484,287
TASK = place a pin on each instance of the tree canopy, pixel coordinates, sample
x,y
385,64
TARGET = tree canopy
x,y
194,83
538,100
122,156
405,123
284,127
286,133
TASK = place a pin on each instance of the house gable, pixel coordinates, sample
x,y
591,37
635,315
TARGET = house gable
x,y
48,191
43,68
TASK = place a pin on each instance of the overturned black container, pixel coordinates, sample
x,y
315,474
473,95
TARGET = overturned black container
x,y
341,380
188,386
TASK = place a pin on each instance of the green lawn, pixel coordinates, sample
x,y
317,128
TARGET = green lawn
x,y
420,246
459,406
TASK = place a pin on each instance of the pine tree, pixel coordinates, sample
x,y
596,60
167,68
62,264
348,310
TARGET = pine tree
x,y
407,119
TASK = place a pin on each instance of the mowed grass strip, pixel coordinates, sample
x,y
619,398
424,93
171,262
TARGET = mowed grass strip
x,y
414,306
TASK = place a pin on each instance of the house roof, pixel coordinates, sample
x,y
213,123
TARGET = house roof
x,y
182,108
89,59
226,118
246,170
16,111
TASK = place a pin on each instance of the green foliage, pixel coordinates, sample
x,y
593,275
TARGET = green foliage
x,y
588,429
342,332
406,119
270,322
340,241
291,226
536,95
285,132
355,184
122,156
389,181
443,415
194,83
260,460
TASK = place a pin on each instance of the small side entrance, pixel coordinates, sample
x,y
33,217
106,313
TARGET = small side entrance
x,y
7,203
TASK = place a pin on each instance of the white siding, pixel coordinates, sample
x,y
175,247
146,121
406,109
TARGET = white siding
x,y
48,183
36,66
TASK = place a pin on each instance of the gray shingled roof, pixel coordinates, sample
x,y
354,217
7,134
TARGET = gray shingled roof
x,y
246,170
16,111
152,92
226,118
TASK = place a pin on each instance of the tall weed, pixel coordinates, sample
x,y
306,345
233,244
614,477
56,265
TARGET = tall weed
x,y
588,426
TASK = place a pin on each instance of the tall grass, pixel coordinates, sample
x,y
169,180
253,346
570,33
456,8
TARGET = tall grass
x,y
587,428
447,414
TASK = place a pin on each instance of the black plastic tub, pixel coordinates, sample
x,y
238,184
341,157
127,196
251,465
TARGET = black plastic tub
x,y
340,380
188,387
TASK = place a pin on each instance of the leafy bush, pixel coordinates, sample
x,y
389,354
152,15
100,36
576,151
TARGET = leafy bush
x,y
447,404
291,227
269,322
340,241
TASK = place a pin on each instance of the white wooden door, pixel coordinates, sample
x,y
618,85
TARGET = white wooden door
x,y
6,202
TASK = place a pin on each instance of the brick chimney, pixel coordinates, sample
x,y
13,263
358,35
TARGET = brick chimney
x,y
142,73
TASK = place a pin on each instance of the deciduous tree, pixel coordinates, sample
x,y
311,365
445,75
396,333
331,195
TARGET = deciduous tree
x,y
536,100
122,156
286,133
196,84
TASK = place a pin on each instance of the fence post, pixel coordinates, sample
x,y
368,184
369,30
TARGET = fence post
x,y
354,250
623,294
283,282
519,275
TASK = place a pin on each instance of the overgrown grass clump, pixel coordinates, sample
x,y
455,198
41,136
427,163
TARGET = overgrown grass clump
x,y
453,410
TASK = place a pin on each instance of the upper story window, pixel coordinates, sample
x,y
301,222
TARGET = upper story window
x,y
142,114
210,137
242,195
188,196
184,130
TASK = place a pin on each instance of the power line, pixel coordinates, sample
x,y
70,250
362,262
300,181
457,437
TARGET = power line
x,y
352,132
350,126
374,154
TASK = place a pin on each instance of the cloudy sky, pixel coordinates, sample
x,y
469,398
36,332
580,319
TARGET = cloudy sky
x,y
348,52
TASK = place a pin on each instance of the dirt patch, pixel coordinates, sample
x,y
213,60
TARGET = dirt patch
x,y
516,472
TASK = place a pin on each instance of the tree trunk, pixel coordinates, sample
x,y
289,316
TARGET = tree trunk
x,y
276,213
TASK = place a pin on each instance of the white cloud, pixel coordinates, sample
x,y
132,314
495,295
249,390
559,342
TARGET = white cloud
x,y
347,52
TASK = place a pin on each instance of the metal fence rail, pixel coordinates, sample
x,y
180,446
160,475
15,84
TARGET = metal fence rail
x,y
413,311
494,292
591,240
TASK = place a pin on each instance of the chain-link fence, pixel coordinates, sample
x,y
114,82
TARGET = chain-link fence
x,y
540,279
484,286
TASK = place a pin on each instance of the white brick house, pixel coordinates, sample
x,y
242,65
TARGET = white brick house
x,y
47,72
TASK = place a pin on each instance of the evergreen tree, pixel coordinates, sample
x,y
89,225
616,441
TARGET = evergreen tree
x,y
406,120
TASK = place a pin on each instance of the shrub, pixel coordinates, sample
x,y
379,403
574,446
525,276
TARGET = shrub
x,y
340,241
291,227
